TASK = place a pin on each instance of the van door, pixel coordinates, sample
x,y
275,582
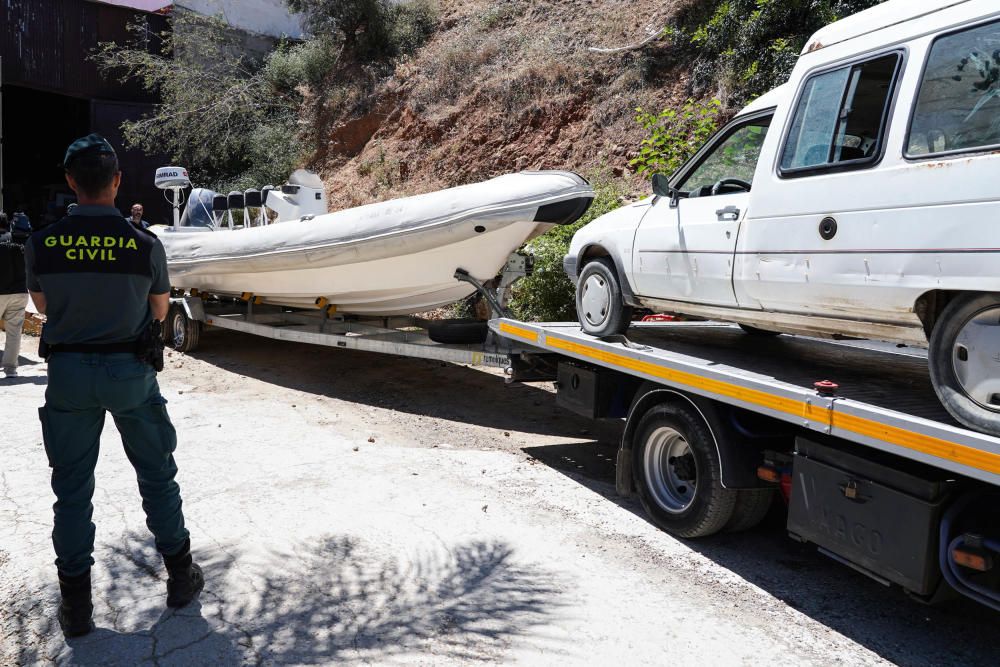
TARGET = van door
x,y
684,248
821,235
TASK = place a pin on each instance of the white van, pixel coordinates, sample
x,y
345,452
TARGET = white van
x,y
862,199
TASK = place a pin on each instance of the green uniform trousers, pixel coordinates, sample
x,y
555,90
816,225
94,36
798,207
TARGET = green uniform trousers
x,y
82,388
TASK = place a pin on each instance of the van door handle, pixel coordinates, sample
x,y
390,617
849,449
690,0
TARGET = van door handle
x,y
728,214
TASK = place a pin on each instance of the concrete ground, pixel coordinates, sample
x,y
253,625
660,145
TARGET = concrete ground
x,y
355,508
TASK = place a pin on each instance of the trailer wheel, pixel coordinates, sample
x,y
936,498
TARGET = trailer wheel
x,y
752,505
184,333
677,472
600,306
963,346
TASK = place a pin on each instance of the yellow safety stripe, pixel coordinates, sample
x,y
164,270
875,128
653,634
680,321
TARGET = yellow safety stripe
x,y
778,403
519,332
942,449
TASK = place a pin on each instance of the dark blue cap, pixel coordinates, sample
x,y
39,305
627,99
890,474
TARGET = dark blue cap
x,y
90,143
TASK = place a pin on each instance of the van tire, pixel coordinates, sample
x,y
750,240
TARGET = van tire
x,y
699,509
606,313
944,354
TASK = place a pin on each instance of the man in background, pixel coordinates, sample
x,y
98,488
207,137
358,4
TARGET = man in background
x,y
136,218
13,287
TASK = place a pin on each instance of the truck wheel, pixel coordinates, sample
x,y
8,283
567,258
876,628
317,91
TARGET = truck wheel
x,y
963,347
183,332
677,472
599,303
752,505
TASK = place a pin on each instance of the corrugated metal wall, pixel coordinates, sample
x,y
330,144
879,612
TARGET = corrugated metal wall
x,y
46,45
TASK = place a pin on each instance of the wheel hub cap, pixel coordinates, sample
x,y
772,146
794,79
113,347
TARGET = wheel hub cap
x,y
178,328
976,358
596,299
671,470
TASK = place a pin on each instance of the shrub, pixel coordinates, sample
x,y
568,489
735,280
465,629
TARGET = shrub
x,y
370,29
746,47
548,295
674,135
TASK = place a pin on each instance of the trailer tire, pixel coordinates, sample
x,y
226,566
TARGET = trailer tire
x,y
458,332
955,333
752,505
183,333
678,476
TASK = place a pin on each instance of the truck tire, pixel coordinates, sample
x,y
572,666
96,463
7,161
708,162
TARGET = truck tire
x,y
458,332
183,333
752,505
678,477
600,307
965,339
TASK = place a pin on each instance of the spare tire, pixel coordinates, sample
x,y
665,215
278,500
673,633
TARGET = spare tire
x,y
458,332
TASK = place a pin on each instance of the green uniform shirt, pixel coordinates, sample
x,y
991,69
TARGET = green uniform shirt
x,y
97,271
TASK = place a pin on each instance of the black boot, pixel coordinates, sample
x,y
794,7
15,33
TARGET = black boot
x,y
184,578
76,608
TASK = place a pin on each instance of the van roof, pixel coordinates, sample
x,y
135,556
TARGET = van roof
x,y
885,15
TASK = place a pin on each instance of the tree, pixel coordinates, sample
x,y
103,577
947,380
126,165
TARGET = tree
x,y
223,114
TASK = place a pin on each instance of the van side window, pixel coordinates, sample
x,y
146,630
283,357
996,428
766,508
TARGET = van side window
x,y
958,107
841,117
734,157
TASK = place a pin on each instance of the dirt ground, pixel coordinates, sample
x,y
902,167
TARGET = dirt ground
x,y
357,508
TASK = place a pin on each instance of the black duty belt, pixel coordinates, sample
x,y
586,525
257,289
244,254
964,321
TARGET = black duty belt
x,y
105,348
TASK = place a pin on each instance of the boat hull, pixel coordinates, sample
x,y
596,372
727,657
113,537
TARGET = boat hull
x,y
402,263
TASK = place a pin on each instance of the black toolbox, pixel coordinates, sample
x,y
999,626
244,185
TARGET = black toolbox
x,y
874,510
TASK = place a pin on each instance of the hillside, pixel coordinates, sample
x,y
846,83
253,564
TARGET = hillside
x,y
505,86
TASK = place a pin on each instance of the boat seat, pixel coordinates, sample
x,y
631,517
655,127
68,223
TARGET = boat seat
x,y
252,198
220,203
263,194
235,200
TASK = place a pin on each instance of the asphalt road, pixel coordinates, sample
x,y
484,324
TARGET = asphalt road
x,y
357,508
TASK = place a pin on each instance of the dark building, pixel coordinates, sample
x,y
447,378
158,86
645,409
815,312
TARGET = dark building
x,y
52,93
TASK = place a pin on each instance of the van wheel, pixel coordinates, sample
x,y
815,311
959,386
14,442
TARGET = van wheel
x,y
599,303
964,345
677,472
184,332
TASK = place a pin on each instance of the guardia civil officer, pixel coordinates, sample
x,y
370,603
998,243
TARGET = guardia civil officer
x,y
101,283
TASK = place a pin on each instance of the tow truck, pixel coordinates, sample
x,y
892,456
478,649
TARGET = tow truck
x,y
720,425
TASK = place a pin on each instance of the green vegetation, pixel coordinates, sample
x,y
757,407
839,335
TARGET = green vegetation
x,y
743,48
240,120
674,136
548,295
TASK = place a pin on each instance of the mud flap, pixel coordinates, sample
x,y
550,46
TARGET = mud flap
x,y
624,482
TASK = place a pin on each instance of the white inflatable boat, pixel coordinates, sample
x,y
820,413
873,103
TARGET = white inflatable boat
x,y
392,258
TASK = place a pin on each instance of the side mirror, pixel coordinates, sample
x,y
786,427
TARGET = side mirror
x,y
661,186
